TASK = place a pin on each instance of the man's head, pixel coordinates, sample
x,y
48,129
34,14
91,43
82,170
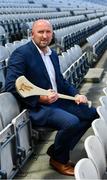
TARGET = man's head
x,y
42,33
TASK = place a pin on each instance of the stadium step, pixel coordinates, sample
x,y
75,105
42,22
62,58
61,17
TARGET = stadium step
x,y
94,75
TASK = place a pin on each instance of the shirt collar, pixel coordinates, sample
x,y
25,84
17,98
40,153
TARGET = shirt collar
x,y
48,53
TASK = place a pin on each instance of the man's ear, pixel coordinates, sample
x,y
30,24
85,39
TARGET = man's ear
x,y
31,34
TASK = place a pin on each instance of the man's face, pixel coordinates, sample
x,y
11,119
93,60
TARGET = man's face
x,y
42,34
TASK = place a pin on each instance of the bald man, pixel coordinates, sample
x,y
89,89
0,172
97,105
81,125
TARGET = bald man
x,y
40,65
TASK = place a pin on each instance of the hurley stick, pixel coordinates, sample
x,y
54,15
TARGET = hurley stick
x,y
25,88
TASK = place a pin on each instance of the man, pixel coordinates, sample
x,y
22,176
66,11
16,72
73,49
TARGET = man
x,y
40,65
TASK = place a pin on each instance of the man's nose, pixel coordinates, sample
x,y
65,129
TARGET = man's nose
x,y
44,34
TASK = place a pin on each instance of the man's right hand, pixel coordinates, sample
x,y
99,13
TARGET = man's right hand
x,y
51,98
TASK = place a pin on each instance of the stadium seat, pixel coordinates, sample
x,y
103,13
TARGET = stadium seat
x,y
63,64
103,100
71,59
67,75
24,41
85,169
4,55
105,90
2,36
9,108
10,47
2,75
8,154
78,50
22,128
99,127
95,152
102,111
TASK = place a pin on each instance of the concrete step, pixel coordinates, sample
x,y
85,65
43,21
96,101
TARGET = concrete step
x,y
94,75
40,169
46,174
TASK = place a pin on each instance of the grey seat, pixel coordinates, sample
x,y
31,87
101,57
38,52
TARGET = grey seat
x,y
10,47
8,154
4,54
103,100
2,75
85,169
95,151
2,36
102,111
105,90
100,127
22,128
9,108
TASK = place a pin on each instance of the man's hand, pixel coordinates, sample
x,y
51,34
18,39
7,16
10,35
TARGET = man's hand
x,y
81,99
51,98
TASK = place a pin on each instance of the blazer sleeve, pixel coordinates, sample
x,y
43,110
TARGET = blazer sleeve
x,y
16,68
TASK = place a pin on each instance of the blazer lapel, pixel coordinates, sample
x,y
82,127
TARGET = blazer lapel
x,y
54,64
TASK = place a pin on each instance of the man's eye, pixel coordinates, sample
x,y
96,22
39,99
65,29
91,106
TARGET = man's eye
x,y
41,32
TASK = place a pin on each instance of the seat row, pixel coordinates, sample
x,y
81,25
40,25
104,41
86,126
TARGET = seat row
x,y
14,24
77,31
55,3
98,41
74,64
96,147
57,23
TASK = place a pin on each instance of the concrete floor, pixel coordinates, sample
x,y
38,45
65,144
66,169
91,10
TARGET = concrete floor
x,y
38,165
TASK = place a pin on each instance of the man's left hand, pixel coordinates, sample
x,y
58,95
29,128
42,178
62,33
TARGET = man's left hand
x,y
81,99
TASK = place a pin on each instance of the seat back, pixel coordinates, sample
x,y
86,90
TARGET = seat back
x,y
103,100
102,112
2,75
22,128
105,90
4,54
2,35
8,161
10,47
9,108
85,169
96,153
100,127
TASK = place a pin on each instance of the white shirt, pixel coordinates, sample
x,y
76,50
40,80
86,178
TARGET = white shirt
x,y
49,66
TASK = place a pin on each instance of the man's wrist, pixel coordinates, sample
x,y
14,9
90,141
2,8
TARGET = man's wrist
x,y
77,95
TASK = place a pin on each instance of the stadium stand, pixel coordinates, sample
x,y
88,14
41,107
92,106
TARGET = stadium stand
x,y
80,38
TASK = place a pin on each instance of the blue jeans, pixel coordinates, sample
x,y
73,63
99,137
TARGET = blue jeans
x,y
71,121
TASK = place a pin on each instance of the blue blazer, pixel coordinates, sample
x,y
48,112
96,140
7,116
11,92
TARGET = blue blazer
x,y
26,60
